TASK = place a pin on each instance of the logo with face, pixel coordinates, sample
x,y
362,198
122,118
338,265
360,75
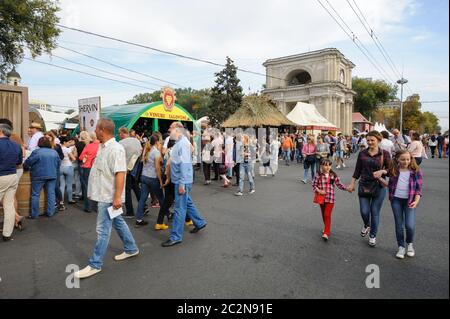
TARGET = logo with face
x,y
168,97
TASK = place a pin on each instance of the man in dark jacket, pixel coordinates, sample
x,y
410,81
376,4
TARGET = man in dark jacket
x,y
10,157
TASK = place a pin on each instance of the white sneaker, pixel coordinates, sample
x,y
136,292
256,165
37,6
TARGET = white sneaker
x,y
125,255
304,181
343,165
86,272
372,241
400,253
325,237
238,194
252,191
364,231
410,250
338,167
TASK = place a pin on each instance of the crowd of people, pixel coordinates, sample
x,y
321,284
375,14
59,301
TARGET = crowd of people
x,y
102,173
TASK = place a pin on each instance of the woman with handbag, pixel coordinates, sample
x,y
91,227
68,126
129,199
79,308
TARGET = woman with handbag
x,y
309,152
323,188
371,166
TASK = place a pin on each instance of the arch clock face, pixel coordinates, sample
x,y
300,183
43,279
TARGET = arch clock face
x,y
341,76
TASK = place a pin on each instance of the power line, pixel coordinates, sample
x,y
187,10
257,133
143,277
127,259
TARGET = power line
x,y
118,66
101,70
353,38
377,42
445,101
166,52
90,74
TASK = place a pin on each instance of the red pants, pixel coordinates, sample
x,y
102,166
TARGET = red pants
x,y
327,209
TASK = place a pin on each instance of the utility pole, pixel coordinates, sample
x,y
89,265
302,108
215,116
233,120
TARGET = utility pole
x,y
401,82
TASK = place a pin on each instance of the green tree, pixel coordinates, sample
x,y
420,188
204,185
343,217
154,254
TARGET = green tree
x,y
226,95
416,120
430,123
26,24
370,94
145,98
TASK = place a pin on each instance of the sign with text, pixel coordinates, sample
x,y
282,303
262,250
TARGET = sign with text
x,y
89,113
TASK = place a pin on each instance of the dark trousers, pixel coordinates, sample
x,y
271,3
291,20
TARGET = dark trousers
x,y
131,184
58,193
84,177
433,151
237,171
216,170
207,171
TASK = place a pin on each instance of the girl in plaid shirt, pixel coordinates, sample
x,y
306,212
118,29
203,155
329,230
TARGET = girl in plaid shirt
x,y
405,192
324,184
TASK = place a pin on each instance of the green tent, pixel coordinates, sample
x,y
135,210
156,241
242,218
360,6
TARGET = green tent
x,y
127,115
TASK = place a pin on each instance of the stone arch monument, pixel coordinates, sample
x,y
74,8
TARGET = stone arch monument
x,y
322,78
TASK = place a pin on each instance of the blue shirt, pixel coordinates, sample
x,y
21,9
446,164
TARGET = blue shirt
x,y
10,156
181,171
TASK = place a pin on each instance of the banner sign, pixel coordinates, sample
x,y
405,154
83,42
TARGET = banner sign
x,y
89,113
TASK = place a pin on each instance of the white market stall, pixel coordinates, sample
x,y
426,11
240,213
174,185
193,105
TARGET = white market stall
x,y
308,118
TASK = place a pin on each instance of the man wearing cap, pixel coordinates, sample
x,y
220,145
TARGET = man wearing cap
x,y
34,131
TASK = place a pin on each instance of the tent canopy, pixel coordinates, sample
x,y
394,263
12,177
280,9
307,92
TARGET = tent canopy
x,y
128,114
306,116
257,111
50,120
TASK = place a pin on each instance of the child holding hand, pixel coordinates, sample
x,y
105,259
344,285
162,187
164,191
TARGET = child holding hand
x,y
324,184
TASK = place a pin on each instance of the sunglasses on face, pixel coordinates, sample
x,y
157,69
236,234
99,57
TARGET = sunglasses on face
x,y
326,164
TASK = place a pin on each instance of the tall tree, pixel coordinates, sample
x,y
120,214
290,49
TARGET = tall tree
x,y
145,98
370,94
226,95
26,24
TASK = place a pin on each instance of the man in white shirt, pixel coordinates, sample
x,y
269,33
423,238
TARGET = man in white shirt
x,y
386,144
106,186
133,150
34,131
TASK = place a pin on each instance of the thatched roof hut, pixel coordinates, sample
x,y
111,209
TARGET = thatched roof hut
x,y
257,111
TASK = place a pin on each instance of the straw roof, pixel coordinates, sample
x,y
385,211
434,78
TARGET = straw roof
x,y
257,111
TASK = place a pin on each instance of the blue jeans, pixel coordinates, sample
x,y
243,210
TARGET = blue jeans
x,y
287,156
405,217
370,208
104,224
151,184
440,150
84,176
245,168
66,178
36,187
298,155
184,205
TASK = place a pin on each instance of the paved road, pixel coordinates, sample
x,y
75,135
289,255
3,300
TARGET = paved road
x,y
265,245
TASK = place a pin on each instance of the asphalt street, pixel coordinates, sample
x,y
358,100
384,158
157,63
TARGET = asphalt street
x,y
265,245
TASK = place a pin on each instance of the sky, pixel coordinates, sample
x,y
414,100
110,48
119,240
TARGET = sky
x,y
413,32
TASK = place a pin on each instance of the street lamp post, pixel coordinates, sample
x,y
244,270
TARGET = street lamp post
x,y
401,82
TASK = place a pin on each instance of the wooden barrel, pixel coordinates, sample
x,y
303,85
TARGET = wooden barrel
x,y
23,195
